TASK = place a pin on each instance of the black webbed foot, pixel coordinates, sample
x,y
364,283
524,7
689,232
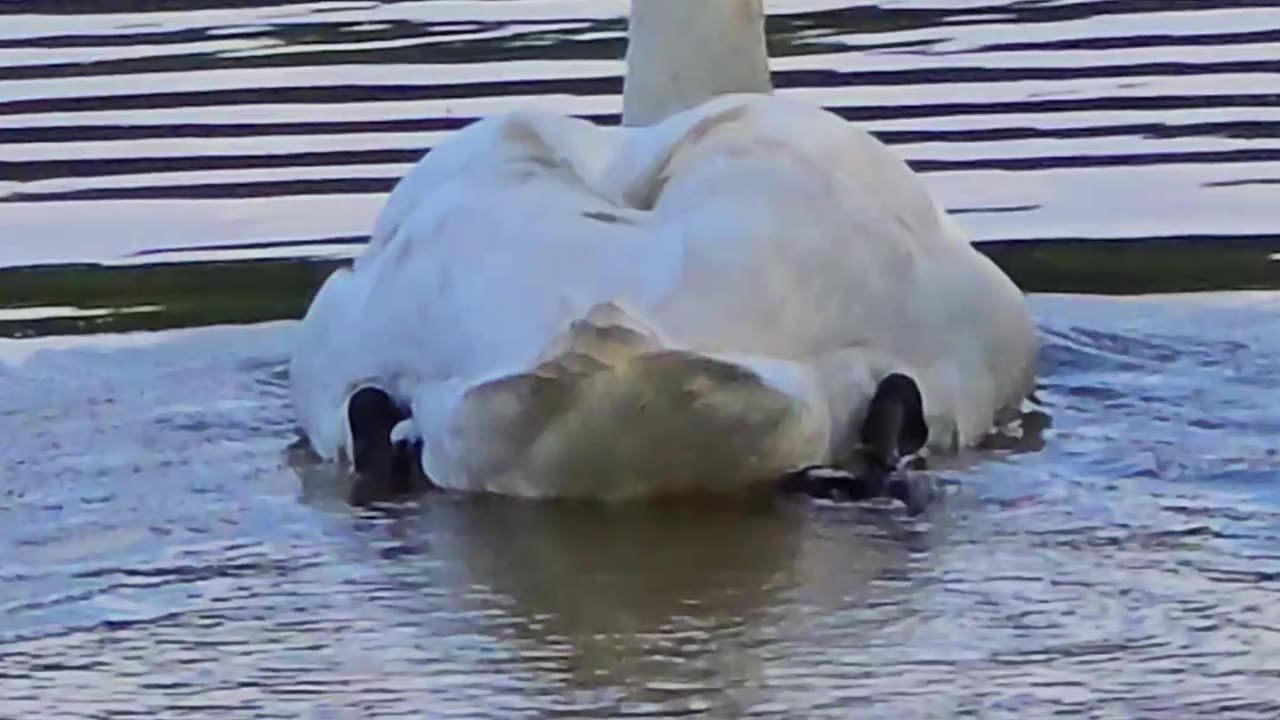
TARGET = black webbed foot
x,y
384,470
894,428
828,483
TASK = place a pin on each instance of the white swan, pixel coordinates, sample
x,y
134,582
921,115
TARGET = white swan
x,y
701,304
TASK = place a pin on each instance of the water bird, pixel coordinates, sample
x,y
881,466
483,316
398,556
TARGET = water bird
x,y
734,290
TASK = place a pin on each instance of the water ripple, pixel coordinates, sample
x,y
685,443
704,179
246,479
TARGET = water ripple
x,y
296,104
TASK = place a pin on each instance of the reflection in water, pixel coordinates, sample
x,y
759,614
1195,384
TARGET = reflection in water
x,y
618,596
632,594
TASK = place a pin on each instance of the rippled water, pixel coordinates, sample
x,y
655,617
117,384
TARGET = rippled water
x,y
163,553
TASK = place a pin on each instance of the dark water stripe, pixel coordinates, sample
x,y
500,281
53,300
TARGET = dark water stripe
x,y
870,20
311,95
1050,107
526,45
26,171
609,85
1014,14
261,245
133,7
247,291
529,45
1240,129
1243,182
1043,107
994,210
1014,164
1262,244
612,85
98,133
22,171
1026,12
347,33
85,133
343,186
189,294
1159,264
1132,42
276,188
218,191
299,33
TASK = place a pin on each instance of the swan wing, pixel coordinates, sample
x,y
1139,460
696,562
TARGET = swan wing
x,y
804,237
489,247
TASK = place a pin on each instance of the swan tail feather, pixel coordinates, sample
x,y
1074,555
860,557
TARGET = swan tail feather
x,y
611,411
608,334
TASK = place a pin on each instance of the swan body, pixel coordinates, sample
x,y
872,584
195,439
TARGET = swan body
x,y
701,303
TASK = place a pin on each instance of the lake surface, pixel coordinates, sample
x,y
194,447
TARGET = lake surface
x,y
174,182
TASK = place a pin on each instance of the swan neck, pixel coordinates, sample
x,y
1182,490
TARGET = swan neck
x,y
682,53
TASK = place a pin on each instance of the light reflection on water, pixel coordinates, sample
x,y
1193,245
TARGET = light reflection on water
x,y
272,122
162,553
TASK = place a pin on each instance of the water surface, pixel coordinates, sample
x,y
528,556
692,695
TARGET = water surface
x,y
169,172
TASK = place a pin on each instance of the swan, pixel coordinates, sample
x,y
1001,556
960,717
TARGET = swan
x,y
732,289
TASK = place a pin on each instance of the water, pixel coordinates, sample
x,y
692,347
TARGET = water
x,y
164,554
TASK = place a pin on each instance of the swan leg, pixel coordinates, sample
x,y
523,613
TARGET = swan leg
x,y
894,428
385,447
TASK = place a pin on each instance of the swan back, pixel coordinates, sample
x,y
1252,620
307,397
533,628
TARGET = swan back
x,y
847,262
